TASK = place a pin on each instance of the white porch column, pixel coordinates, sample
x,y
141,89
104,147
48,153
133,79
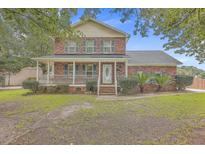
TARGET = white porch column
x,y
126,70
73,72
115,73
52,69
37,71
99,76
48,72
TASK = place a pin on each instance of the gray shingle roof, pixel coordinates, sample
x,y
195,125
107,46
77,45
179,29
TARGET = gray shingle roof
x,y
143,58
150,57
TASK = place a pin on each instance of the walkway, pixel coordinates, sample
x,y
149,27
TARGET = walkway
x,y
196,90
139,96
11,88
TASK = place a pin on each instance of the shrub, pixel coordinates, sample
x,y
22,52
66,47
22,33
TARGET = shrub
x,y
42,89
161,80
62,88
183,81
91,85
51,89
142,79
31,84
127,85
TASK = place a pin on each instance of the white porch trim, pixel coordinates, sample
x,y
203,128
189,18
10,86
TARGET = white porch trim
x,y
99,76
37,71
126,70
73,72
48,72
82,59
115,74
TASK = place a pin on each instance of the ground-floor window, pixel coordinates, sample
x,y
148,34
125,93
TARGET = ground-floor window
x,y
68,69
80,69
89,69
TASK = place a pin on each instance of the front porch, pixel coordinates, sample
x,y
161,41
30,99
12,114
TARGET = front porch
x,y
76,73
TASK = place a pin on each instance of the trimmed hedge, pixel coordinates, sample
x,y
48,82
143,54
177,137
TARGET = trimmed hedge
x,y
91,86
31,84
62,88
127,85
182,81
53,89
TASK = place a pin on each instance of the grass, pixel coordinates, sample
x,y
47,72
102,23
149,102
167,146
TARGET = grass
x,y
44,102
185,109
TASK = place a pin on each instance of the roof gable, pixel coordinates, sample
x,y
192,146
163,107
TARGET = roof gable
x,y
94,28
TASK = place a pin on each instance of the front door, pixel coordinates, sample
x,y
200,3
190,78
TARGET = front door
x,y
107,74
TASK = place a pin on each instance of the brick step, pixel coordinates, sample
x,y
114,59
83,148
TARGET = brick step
x,y
110,90
107,93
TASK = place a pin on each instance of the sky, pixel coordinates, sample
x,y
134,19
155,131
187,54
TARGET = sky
x,y
136,42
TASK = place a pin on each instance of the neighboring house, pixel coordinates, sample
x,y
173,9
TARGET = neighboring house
x,y
100,56
18,78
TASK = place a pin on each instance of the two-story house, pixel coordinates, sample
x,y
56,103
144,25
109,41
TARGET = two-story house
x,y
100,56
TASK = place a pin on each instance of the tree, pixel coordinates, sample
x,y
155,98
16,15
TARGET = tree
x,y
182,28
12,65
142,79
31,32
161,80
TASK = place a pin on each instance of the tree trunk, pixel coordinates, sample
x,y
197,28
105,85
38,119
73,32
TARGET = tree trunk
x,y
159,88
141,89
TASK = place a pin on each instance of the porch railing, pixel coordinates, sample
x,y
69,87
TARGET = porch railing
x,y
62,79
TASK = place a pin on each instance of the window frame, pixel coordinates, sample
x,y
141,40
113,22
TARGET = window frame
x,y
68,69
70,44
111,46
87,46
92,71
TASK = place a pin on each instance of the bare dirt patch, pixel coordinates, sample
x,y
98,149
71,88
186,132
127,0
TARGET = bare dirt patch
x,y
67,111
115,129
198,135
40,132
8,107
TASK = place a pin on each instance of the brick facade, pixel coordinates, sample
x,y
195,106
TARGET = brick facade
x,y
170,70
119,45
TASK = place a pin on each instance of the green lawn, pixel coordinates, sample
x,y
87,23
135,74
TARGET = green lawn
x,y
156,120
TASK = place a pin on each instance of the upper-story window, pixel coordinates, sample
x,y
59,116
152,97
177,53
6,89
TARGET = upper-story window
x,y
70,47
108,46
89,46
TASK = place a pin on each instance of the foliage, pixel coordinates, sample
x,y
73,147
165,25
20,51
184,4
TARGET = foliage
x,y
182,28
53,89
13,64
190,71
42,89
91,86
183,81
31,84
62,88
161,80
142,79
30,32
127,85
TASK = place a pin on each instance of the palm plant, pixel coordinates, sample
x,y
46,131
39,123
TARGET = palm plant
x,y
142,79
161,80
